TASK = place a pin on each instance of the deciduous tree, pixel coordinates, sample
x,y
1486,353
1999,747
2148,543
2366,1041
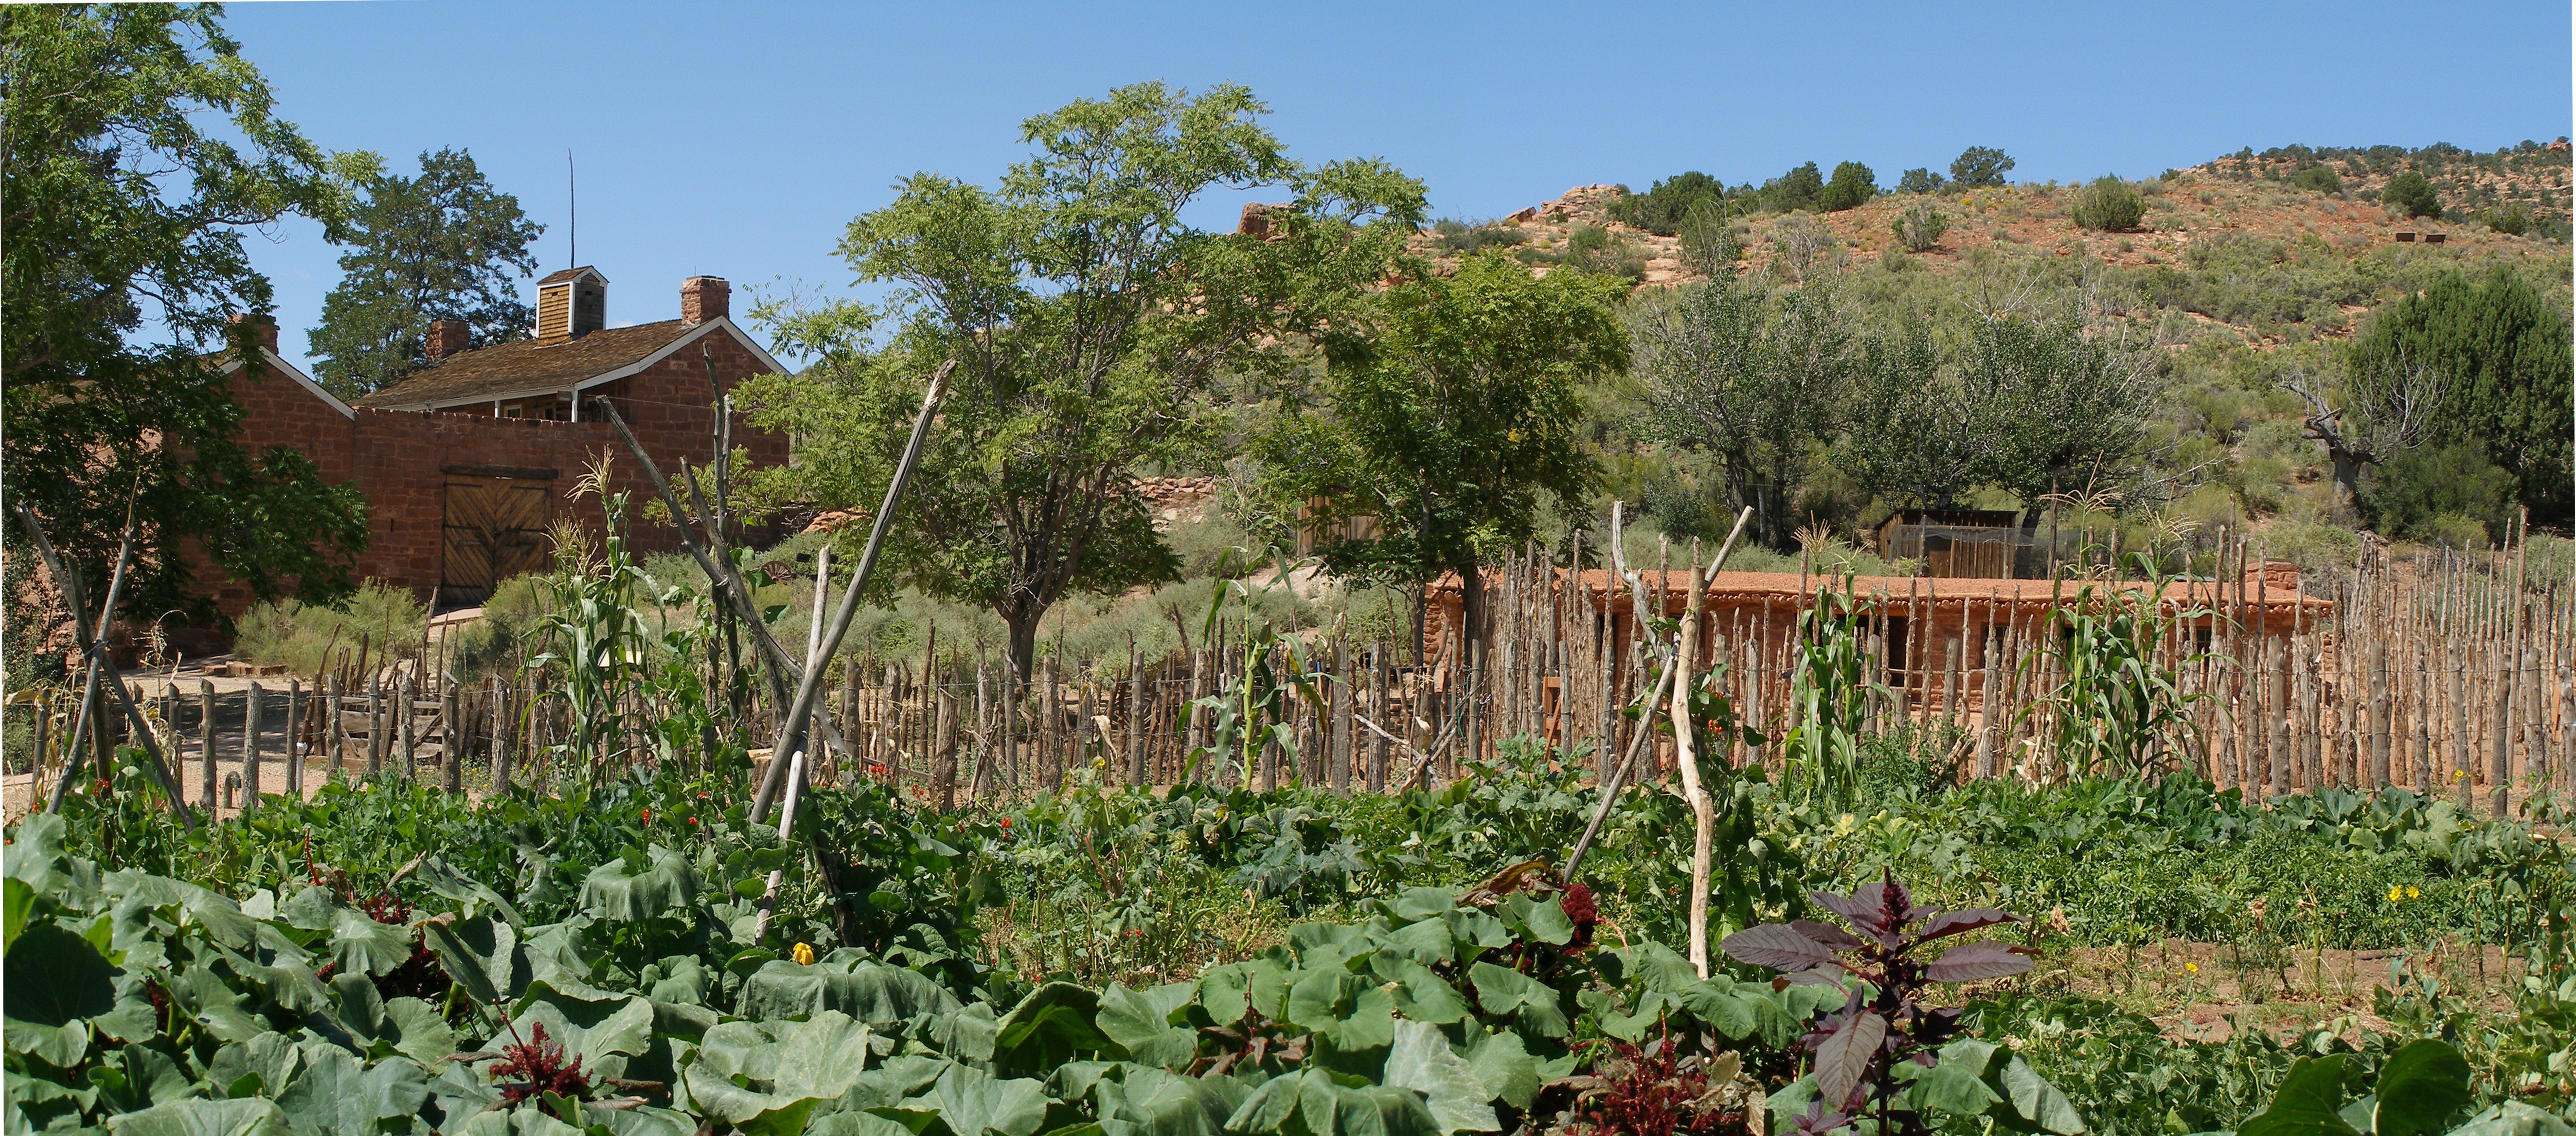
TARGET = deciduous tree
x,y
1452,419
135,148
1089,322
1751,377
2022,404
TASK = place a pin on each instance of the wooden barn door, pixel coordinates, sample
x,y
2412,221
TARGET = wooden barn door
x,y
495,529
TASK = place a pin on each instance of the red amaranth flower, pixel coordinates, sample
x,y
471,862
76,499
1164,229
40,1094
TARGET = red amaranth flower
x,y
541,1062
1582,910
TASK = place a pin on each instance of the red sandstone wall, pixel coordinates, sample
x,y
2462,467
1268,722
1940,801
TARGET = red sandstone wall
x,y
398,457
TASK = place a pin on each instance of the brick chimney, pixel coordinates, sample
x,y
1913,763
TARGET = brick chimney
x,y
266,324
447,337
703,298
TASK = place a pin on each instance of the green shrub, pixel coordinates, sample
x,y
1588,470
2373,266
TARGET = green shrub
x,y
2407,494
1596,250
1467,238
2413,195
1920,226
2109,205
1662,209
1919,180
1978,167
2456,530
1852,185
1797,189
2319,178
2512,220
509,617
1203,544
1709,243
301,636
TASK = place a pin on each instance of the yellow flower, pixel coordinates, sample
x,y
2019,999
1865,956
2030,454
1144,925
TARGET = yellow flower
x,y
2411,893
2459,775
2191,968
2395,893
803,954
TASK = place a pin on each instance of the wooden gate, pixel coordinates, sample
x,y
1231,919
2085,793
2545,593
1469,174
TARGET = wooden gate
x,y
495,529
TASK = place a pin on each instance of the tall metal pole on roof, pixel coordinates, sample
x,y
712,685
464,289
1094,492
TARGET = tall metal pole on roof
x,y
572,195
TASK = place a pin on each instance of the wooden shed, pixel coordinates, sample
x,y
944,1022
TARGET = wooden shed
x,y
1956,544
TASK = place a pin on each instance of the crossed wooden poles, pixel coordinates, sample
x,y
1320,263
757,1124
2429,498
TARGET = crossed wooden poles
x,y
91,639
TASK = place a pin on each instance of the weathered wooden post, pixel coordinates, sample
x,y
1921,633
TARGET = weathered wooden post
x,y
2378,668
2500,762
250,747
943,774
334,732
1379,660
451,737
1988,705
295,739
407,694
205,742
375,725
1339,748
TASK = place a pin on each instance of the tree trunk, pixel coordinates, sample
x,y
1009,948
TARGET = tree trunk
x,y
1471,605
1739,484
2347,475
1023,620
1775,533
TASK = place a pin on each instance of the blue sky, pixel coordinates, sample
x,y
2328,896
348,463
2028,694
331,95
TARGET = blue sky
x,y
739,139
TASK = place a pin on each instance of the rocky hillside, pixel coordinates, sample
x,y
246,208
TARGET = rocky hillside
x,y
2198,220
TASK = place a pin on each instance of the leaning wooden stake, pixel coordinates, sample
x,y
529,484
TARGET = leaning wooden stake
x,y
1645,729
791,729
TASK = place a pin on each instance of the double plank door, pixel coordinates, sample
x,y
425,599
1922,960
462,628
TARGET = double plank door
x,y
495,529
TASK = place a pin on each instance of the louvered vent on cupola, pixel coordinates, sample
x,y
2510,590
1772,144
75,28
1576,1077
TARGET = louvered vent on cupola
x,y
571,304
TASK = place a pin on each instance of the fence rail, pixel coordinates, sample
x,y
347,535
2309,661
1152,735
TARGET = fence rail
x,y
2449,674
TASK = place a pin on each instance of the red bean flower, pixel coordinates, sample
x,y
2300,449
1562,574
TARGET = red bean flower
x,y
648,816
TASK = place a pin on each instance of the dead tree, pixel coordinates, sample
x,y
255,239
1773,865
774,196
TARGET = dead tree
x,y
2386,406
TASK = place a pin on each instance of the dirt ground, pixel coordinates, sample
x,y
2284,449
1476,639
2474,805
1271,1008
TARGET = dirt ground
x,y
232,702
2207,991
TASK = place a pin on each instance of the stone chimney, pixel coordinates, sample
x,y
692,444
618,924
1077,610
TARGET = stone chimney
x,y
447,337
703,298
267,328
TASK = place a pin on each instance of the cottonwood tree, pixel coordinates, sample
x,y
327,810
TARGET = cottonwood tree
x,y
1750,377
2026,405
136,146
1451,420
1089,322
443,245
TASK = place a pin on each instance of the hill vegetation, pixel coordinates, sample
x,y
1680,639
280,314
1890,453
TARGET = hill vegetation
x,y
2231,287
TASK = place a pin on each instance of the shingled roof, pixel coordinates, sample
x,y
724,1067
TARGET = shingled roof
x,y
531,366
